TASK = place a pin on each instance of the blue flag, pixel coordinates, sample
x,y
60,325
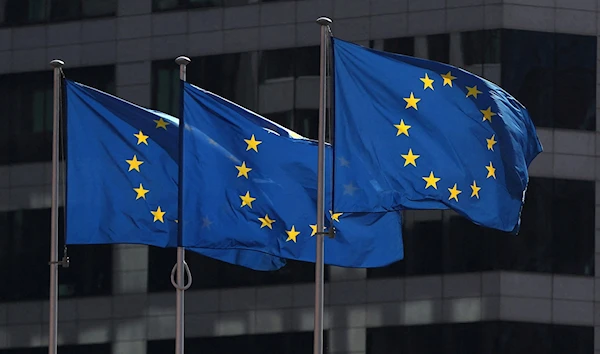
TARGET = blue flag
x,y
252,184
416,134
122,187
121,183
122,177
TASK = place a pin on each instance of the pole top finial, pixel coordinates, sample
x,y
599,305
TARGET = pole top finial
x,y
56,63
324,21
181,60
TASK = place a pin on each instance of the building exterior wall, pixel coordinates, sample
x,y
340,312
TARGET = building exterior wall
x,y
131,316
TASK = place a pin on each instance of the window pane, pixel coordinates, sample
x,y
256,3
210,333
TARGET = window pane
x,y
103,348
404,45
283,118
527,72
438,47
95,8
205,3
575,75
231,76
481,337
27,228
277,343
91,273
26,236
28,114
65,9
306,122
276,64
5,120
573,217
572,339
27,104
480,47
531,249
425,242
217,274
20,12
166,90
307,61
463,246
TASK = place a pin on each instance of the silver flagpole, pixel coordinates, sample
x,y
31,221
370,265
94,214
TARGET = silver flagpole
x,y
54,262
181,265
324,22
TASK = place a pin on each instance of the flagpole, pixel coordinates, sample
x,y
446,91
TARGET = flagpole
x,y
324,22
181,265
54,262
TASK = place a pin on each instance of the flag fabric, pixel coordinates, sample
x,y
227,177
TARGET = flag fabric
x,y
252,184
122,177
122,188
417,134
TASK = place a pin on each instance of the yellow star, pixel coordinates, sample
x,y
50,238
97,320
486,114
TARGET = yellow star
x,y
473,91
431,181
314,230
475,190
411,101
448,79
491,171
141,138
454,192
158,215
247,200
487,114
292,234
335,216
402,128
491,142
266,221
141,192
410,158
161,123
134,164
243,170
252,143
427,82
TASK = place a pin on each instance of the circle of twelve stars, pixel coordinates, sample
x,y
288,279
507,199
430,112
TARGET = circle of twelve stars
x,y
243,170
410,158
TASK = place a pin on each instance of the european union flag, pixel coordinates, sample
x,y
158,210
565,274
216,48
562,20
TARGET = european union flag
x,y
122,177
250,184
416,134
121,183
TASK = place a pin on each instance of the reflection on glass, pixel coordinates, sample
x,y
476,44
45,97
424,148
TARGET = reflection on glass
x,y
438,47
95,8
61,10
29,97
556,236
23,228
481,337
553,75
405,45
102,348
279,343
27,12
217,274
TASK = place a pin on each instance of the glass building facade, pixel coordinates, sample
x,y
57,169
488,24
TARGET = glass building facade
x,y
460,289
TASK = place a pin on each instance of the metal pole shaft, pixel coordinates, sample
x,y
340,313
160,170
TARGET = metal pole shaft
x,y
180,317
319,261
53,301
